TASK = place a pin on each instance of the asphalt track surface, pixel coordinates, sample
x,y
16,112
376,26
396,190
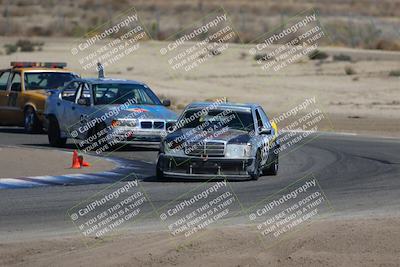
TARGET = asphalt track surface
x,y
359,175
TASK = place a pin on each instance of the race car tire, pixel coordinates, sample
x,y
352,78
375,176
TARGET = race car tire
x,y
31,121
273,167
54,133
257,167
159,173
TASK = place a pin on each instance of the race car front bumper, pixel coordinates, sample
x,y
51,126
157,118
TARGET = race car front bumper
x,y
137,137
198,168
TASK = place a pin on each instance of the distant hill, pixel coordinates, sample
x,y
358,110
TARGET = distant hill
x,y
372,24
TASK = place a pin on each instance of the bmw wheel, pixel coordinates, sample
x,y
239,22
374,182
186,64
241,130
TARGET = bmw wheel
x,y
54,133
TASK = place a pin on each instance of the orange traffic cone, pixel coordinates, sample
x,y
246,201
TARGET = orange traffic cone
x,y
75,161
83,163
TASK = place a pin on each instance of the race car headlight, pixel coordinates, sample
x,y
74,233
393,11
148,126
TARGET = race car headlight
x,y
172,151
124,123
238,151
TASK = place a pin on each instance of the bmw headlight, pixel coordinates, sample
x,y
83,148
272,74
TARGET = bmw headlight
x,y
124,123
238,151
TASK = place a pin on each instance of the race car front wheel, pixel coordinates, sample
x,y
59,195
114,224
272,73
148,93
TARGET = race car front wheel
x,y
257,167
273,167
159,172
54,133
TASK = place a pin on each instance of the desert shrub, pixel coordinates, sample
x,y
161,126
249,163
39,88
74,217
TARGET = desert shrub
x,y
10,48
342,57
26,45
318,55
39,31
23,45
349,70
29,46
77,31
395,73
262,57
387,45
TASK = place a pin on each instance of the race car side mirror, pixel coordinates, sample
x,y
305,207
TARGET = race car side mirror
x,y
265,131
166,102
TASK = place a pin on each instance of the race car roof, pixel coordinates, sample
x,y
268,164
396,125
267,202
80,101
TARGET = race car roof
x,y
226,105
108,81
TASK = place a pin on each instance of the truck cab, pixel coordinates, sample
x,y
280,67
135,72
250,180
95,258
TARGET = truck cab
x,y
24,89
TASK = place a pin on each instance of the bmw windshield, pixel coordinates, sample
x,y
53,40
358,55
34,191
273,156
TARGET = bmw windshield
x,y
120,93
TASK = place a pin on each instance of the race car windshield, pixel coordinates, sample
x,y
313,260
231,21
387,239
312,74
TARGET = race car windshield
x,y
47,80
112,94
238,120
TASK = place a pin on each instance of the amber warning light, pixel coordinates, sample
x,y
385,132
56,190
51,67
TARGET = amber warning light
x,y
26,64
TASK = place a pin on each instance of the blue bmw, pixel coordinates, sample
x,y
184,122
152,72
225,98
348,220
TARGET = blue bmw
x,y
107,111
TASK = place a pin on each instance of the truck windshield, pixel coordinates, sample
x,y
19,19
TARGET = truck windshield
x,y
47,80
116,93
238,120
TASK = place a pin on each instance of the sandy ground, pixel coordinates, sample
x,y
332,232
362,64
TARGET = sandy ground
x,y
35,162
340,242
367,101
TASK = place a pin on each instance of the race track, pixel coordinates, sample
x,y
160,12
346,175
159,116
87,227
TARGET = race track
x,y
358,174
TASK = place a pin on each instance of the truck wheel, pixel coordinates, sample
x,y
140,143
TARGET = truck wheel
x,y
54,134
257,167
273,167
31,121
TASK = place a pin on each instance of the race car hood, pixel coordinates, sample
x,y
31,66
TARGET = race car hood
x,y
139,112
231,136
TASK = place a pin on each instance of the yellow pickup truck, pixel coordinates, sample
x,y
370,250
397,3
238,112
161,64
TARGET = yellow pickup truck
x,y
24,89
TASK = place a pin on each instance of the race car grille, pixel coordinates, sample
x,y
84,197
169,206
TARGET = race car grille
x,y
152,125
146,124
206,149
158,125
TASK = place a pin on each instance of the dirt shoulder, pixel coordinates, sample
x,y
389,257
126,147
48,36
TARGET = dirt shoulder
x,y
350,242
23,162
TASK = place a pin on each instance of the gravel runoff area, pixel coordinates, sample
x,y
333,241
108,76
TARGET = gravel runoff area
x,y
22,162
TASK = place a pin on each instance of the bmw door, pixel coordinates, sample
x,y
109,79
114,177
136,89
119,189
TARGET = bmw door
x,y
80,112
